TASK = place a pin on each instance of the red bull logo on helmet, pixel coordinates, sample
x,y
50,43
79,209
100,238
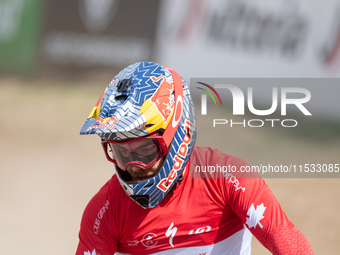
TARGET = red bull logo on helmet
x,y
162,99
165,183
104,123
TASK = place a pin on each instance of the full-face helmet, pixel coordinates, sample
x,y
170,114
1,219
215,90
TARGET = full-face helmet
x,y
146,113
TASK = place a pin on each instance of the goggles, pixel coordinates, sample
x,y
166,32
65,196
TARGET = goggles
x,y
142,152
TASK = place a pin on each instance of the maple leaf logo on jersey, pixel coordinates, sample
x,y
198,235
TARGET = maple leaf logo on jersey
x,y
89,253
255,215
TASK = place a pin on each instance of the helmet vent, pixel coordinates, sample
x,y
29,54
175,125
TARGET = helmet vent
x,y
148,186
149,125
143,200
121,97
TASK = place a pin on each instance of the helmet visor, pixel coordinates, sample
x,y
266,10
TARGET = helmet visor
x,y
143,152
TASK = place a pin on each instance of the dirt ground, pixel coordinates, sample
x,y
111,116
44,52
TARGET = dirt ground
x,y
48,172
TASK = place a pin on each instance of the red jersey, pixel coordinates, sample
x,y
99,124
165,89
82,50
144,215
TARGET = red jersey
x,y
216,215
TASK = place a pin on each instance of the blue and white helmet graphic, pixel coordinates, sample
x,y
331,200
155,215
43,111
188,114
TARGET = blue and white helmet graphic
x,y
143,99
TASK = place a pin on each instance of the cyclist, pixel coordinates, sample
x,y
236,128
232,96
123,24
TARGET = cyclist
x,y
157,203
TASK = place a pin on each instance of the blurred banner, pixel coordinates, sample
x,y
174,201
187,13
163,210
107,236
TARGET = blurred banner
x,y
98,33
19,31
250,38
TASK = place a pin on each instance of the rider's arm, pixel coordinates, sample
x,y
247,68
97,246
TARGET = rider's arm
x,y
96,234
263,216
